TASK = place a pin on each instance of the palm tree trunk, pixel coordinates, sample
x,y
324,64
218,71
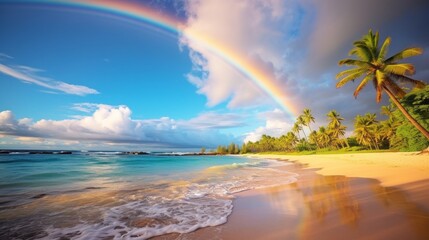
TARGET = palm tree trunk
x,y
406,114
305,135
317,144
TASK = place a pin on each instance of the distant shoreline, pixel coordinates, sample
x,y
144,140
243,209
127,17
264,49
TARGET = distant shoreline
x,y
76,152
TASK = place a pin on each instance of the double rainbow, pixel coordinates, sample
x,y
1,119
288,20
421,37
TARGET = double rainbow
x,y
139,12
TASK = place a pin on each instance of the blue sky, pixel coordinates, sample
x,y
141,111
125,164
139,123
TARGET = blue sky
x,y
75,79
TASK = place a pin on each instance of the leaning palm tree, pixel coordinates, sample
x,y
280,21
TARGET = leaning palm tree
x,y
307,119
296,128
301,122
372,66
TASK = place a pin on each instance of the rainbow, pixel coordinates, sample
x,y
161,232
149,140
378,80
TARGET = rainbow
x,y
261,78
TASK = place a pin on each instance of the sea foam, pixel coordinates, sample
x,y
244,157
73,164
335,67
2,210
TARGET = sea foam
x,y
145,209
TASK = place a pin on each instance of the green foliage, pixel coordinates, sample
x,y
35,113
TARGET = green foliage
x,y
407,137
230,149
244,149
352,141
410,139
370,134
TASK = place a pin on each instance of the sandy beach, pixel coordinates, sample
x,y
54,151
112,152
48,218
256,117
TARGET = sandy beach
x,y
391,169
353,196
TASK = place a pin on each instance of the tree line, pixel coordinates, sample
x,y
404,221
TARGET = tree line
x,y
393,132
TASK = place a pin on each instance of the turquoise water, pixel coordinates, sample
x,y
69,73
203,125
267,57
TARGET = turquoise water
x,y
107,195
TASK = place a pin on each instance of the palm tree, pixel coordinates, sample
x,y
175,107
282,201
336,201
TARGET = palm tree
x,y
301,122
296,128
388,129
324,138
312,138
372,65
291,139
365,129
334,118
307,118
335,126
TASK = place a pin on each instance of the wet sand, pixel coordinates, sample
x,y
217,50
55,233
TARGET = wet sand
x,y
334,206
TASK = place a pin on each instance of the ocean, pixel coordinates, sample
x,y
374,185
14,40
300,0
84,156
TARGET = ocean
x,y
109,195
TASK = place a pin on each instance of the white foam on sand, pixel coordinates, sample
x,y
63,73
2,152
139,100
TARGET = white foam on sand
x,y
201,203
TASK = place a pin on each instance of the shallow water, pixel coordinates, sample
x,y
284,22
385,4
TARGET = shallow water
x,y
105,196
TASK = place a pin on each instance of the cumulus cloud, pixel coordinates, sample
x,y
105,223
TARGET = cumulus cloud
x,y
114,125
253,29
31,75
277,123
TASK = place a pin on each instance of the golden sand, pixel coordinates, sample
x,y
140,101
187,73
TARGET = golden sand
x,y
333,205
391,169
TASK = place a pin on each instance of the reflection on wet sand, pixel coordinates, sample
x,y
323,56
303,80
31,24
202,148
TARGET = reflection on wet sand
x,y
326,207
355,207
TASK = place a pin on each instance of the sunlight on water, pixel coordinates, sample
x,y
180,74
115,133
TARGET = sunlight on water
x,y
119,196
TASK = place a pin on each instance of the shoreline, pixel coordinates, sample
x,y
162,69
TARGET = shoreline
x,y
390,168
371,196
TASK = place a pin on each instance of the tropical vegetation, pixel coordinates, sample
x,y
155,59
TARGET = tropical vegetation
x,y
372,65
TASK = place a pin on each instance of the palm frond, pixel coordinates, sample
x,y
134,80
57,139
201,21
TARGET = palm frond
x,y
363,52
375,40
400,69
384,49
394,88
406,53
348,72
405,79
362,84
349,78
354,62
380,77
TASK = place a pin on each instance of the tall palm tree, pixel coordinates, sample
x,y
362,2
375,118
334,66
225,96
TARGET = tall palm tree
x,y
296,128
301,122
335,126
334,118
308,118
372,66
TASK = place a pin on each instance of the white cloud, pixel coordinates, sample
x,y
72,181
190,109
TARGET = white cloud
x,y
277,123
113,124
3,55
254,29
30,75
